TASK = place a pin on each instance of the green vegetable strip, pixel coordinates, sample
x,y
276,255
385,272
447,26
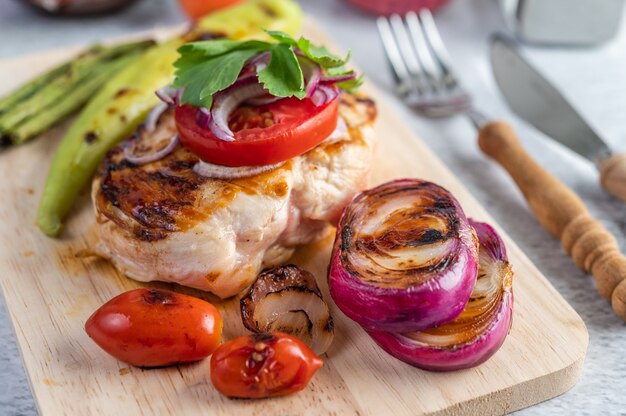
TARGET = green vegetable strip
x,y
78,95
112,115
28,89
56,90
118,108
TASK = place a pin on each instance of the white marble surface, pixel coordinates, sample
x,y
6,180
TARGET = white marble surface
x,y
595,80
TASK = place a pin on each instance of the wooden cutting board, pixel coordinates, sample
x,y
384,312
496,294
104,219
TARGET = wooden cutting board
x,y
50,292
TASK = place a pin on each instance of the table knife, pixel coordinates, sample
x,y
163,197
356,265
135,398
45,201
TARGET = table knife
x,y
535,100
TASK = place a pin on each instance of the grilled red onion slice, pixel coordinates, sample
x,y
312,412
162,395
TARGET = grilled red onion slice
x,y
478,332
226,102
405,257
210,170
287,299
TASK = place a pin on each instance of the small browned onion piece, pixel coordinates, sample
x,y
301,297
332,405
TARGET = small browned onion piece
x,y
287,299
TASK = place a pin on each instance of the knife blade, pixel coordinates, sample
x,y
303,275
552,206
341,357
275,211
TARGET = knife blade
x,y
534,99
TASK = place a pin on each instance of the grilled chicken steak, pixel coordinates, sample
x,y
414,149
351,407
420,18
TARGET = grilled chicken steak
x,y
161,221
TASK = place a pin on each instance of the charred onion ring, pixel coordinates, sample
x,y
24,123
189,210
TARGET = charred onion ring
x,y
287,299
405,257
478,332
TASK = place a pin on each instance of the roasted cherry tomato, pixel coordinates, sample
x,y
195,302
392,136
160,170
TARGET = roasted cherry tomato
x,y
195,9
263,365
152,328
264,135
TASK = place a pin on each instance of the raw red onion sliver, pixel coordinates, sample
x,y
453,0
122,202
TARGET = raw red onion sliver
x,y
324,94
319,97
225,103
257,63
151,157
245,79
210,170
312,75
264,100
203,117
330,79
170,95
153,116
340,130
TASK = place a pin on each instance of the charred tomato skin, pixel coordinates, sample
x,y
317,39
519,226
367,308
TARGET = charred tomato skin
x,y
154,328
263,365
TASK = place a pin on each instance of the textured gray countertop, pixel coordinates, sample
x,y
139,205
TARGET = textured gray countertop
x,y
594,79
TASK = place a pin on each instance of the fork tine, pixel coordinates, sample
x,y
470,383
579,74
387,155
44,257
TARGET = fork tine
x,y
438,48
398,68
407,51
427,61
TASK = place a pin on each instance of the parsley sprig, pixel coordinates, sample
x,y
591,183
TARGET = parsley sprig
x,y
207,67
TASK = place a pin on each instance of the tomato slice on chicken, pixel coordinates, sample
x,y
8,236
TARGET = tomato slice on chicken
x,y
264,135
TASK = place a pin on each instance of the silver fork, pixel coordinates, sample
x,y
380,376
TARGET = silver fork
x,y
421,67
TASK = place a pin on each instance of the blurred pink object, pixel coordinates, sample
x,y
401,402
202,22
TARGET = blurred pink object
x,y
387,7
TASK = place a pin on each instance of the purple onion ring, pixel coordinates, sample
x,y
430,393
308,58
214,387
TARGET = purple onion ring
x,y
405,257
474,336
209,170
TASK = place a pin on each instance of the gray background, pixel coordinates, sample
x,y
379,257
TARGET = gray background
x,y
594,79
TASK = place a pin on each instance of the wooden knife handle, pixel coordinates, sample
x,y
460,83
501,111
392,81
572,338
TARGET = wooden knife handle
x,y
562,213
613,175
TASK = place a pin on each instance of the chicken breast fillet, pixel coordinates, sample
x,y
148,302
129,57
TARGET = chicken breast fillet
x,y
162,221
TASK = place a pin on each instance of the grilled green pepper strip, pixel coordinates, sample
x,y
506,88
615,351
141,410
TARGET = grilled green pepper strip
x,y
31,87
115,112
29,103
73,99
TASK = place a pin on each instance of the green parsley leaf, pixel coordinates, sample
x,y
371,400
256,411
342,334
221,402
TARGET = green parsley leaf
x,y
282,37
283,75
352,85
224,70
217,47
317,54
207,67
320,55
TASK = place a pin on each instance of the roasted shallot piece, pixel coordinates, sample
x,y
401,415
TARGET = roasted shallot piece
x,y
478,332
287,299
405,257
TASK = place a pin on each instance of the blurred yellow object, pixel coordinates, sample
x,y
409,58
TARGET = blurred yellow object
x,y
244,20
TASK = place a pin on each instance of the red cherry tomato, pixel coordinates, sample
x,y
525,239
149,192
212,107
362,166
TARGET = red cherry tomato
x,y
264,135
195,9
263,365
153,328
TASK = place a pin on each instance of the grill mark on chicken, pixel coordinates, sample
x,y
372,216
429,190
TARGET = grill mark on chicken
x,y
162,221
161,199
